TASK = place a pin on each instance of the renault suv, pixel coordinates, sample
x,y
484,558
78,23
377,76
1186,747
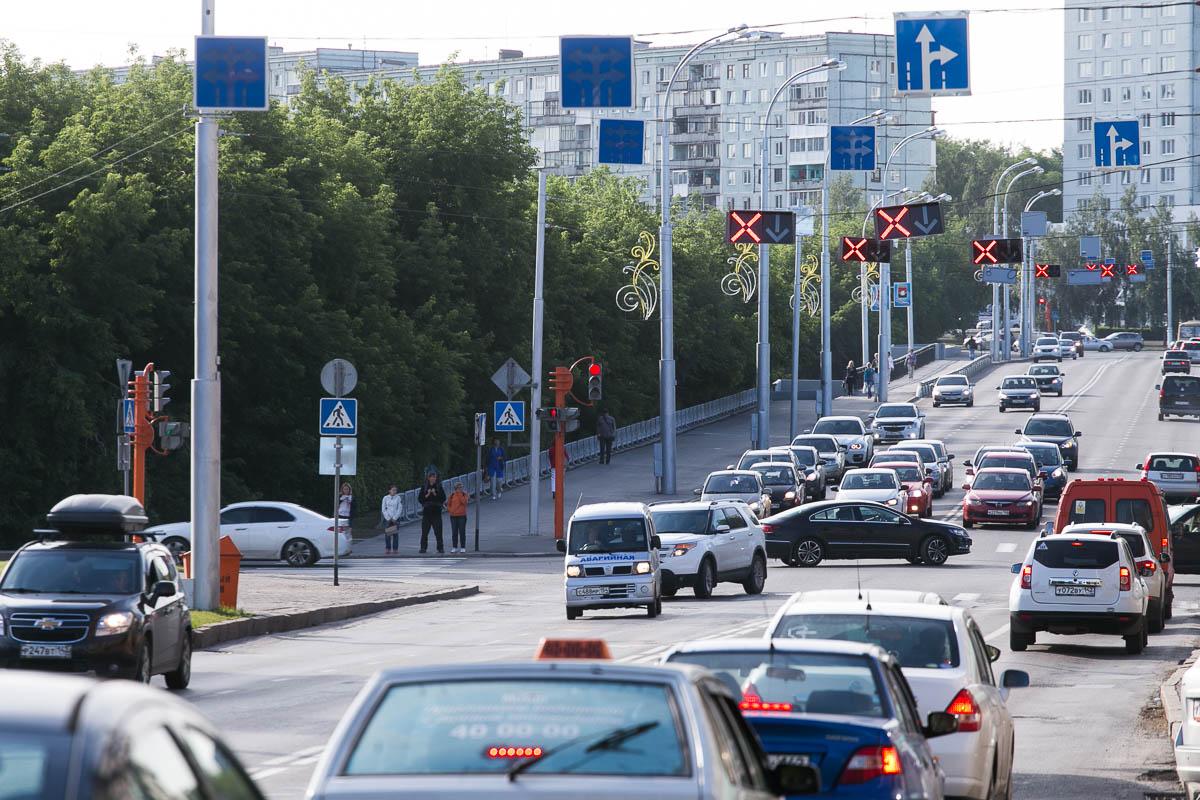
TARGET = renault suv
x,y
1157,580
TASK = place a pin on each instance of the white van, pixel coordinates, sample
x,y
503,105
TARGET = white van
x,y
612,559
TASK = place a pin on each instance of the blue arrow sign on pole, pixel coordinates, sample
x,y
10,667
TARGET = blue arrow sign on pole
x,y
1117,144
622,141
852,147
231,73
597,71
931,53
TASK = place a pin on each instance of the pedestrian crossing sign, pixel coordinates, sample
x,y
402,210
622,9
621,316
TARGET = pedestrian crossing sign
x,y
508,416
339,416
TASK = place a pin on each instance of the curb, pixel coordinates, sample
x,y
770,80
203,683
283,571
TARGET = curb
x,y
539,554
221,632
1168,694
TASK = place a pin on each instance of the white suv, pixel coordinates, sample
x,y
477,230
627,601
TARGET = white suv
x,y
1139,545
704,543
1080,583
1046,347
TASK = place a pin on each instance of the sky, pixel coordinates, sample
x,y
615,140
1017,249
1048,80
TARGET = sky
x,y
1016,52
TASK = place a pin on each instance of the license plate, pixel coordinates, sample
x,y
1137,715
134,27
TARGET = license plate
x,y
1172,476
1075,591
997,512
591,591
45,651
791,759
1182,403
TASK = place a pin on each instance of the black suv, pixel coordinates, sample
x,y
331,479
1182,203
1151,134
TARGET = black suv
x,y
86,597
1179,395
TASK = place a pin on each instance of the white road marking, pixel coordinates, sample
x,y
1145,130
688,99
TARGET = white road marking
x,y
224,691
1006,547
996,634
963,598
266,773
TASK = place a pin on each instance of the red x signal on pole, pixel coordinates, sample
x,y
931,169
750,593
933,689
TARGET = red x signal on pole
x,y
746,227
984,254
1106,270
854,250
1091,267
1041,270
1131,269
893,223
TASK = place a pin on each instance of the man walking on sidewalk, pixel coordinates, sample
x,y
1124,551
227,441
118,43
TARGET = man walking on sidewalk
x,y
606,431
911,361
495,468
432,497
457,506
393,508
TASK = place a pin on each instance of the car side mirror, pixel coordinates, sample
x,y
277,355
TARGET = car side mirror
x,y
1048,528
722,528
928,481
655,542
997,388
697,491
792,779
1077,433
940,723
966,487
1017,431
993,652
1139,466
871,416
1157,386
561,545
921,414
1014,679
163,589
1165,557
1016,569
950,457
970,471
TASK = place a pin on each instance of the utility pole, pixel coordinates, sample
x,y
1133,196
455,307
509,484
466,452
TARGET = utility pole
x,y
1170,308
535,390
795,393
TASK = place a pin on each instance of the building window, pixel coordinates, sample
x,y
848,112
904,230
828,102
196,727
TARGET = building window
x,y
746,96
875,92
779,201
1085,96
1145,120
1081,203
777,175
745,176
1125,179
1126,13
764,95
1106,178
1085,150
1086,69
747,150
1145,176
1167,36
1126,94
1085,41
778,69
1105,14
873,66
1168,10
1144,201
1083,124
1166,63
762,69
1167,91
1170,198
662,74
1085,15
732,151
1146,93
1106,95
1145,66
1127,39
1147,38
1167,119
1145,147
779,148
746,70
1105,41
1166,147
730,98
729,70
1106,68
1126,66
1085,178
747,124
731,177
1167,175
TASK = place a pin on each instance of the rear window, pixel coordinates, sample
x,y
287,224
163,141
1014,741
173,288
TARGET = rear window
x,y
457,727
869,480
1172,463
839,427
1067,553
32,766
1047,456
1179,384
731,484
1089,509
777,476
909,474
1190,346
806,456
824,444
916,641
998,460
1135,511
1044,426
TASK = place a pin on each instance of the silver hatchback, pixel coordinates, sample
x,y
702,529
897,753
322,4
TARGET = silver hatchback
x,y
1177,475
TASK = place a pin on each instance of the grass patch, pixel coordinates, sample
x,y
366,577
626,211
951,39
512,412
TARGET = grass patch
x,y
202,618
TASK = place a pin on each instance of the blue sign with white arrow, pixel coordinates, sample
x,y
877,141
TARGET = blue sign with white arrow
x,y
597,71
852,147
339,416
1116,144
932,53
508,416
1147,257
231,73
622,141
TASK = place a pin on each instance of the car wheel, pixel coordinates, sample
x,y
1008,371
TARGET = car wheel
x,y
299,553
1156,616
808,552
653,609
1001,409
574,613
669,590
181,676
1060,359
1017,642
757,579
1136,643
1160,416
970,403
935,550
706,579
177,545
141,670
935,403
1037,408
1137,348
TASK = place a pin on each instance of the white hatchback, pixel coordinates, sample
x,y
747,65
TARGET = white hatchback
x,y
1177,475
948,665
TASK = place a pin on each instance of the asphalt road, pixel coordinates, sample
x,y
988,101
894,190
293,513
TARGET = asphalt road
x,y
1086,728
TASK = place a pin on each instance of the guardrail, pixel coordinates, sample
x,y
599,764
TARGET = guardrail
x,y
970,370
517,471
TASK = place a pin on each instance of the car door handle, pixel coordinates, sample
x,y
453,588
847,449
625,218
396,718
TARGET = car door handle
x,y
239,529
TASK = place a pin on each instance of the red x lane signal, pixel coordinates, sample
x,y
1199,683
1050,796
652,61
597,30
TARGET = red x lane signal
x,y
986,252
1091,267
852,250
1106,270
983,251
742,228
893,225
1047,270
870,250
1133,269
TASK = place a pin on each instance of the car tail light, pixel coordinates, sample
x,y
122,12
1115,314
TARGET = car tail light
x,y
966,709
871,762
1148,564
1027,576
767,528
1126,582
1165,543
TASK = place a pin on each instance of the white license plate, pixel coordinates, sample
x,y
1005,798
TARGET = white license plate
x,y
997,512
791,759
1172,476
1182,403
1075,591
45,651
591,591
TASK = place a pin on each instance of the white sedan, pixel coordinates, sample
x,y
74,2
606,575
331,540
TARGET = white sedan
x,y
874,485
268,530
949,667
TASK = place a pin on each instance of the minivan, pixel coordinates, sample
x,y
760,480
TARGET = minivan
x,y
1179,395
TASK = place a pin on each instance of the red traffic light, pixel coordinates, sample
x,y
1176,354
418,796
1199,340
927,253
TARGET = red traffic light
x,y
1041,301
593,368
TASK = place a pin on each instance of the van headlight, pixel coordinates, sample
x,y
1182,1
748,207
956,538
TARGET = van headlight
x,y
642,568
574,571
112,624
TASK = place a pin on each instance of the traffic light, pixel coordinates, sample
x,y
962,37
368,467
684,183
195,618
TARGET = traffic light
x,y
906,221
1041,301
1047,270
986,252
159,389
865,250
559,419
1135,269
595,389
172,434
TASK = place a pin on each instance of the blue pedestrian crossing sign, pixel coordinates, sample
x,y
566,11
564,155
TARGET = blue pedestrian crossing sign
x,y
339,416
508,416
852,147
931,53
129,416
1116,144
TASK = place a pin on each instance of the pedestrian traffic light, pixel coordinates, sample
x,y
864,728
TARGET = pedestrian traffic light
x,y
594,389
559,419
1047,270
172,434
158,394
871,250
1041,301
986,252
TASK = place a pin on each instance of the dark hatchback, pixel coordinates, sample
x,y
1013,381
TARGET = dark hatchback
x,y
1179,396
806,536
83,599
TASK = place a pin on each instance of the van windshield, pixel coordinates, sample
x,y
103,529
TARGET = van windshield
x,y
607,536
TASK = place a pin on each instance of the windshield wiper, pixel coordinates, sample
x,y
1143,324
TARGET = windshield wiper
x,y
609,741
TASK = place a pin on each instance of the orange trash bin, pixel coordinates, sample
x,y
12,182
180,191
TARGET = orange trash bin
x,y
231,566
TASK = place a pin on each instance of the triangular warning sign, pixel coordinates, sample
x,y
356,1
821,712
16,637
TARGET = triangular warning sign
x,y
509,418
338,419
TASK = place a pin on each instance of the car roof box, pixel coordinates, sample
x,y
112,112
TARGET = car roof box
x,y
98,513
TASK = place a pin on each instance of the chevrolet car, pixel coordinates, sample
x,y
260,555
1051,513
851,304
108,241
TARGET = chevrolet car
x,y
894,422
851,434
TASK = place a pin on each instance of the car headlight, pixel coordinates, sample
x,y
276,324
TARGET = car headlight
x,y
892,502
856,446
790,496
1069,443
114,623
642,568
574,571
1030,503
682,549
1058,473
973,500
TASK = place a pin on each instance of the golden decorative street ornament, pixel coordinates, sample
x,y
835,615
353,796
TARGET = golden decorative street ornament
x,y
641,293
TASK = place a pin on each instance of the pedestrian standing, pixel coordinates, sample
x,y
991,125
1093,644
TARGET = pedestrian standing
x,y
869,380
345,509
891,365
457,506
606,431
911,362
972,346
495,468
392,510
851,377
432,497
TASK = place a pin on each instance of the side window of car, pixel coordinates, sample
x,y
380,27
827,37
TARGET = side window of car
x,y
267,514
902,699
734,519
149,573
716,517
148,766
746,742
220,769
236,516
731,759
979,647
822,516
161,571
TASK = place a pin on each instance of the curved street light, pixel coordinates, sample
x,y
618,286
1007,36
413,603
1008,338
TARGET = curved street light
x,y
1025,162
1006,333
1027,282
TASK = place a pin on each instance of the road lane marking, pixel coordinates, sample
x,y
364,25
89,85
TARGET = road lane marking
x,y
1006,547
963,598
996,634
262,774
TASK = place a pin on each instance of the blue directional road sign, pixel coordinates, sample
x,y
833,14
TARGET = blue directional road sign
x,y
1054,314
231,73
339,416
129,416
1083,277
1116,144
931,53
1147,257
1089,247
902,295
622,141
597,71
508,416
852,147
1000,274
874,297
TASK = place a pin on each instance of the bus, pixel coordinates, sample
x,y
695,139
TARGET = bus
x,y
1188,329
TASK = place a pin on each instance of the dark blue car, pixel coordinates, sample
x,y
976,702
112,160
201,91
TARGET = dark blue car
x,y
1050,463
843,707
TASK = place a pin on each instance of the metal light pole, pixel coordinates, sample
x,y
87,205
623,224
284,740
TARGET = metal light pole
x,y
1007,352
666,364
875,116
1025,162
535,392
1170,316
923,197
1027,282
206,383
763,439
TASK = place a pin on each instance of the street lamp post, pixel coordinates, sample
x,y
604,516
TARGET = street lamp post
x,y
1025,162
1027,281
666,364
1007,353
763,438
924,197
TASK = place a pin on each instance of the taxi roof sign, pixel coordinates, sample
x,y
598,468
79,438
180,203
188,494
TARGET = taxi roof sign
x,y
572,648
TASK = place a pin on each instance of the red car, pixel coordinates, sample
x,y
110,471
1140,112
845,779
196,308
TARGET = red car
x,y
1002,495
918,488
1018,459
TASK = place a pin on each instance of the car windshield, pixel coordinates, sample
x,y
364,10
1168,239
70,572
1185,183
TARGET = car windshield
x,y
1044,369
952,380
839,427
1067,553
731,484
1045,456
805,455
1002,481
33,765
690,521
1172,463
619,535
938,448
1019,383
777,476
1071,336
897,410
1047,426
869,480
908,474
824,444
1047,340
74,572
812,683
917,642
474,727
1177,513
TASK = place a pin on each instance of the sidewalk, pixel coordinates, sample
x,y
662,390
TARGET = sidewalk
x,y
504,523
